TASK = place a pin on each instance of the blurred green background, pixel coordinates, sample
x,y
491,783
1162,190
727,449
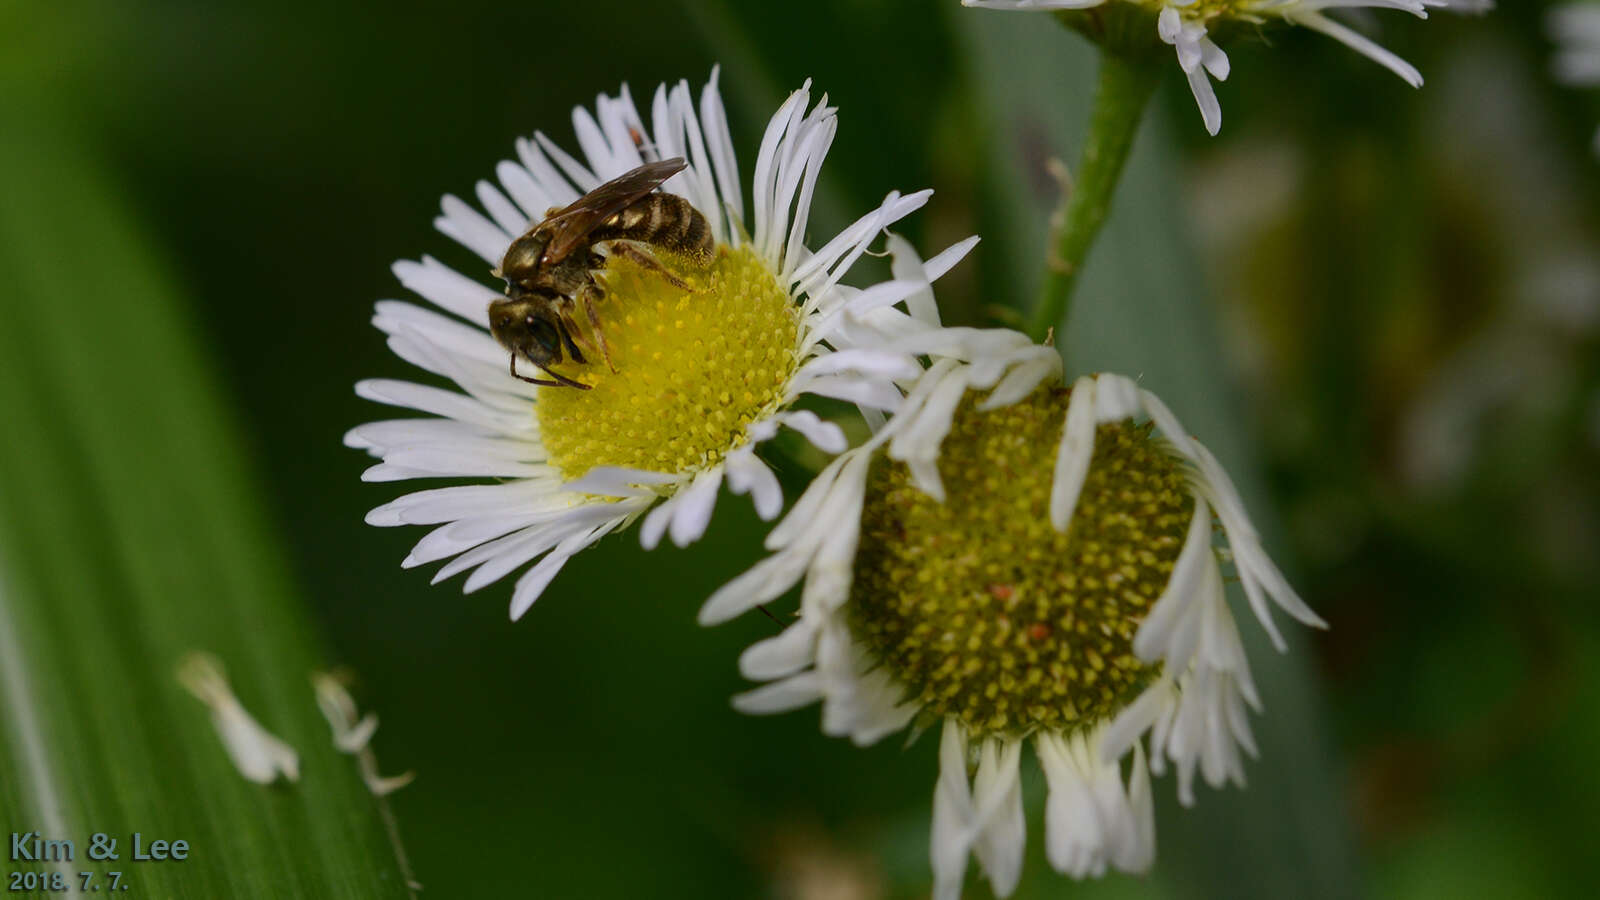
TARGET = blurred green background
x,y
1381,306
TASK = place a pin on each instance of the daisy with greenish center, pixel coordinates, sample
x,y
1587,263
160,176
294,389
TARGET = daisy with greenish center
x,y
1188,26
1019,562
710,355
1036,631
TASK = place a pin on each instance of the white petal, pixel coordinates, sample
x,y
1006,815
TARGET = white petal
x,y
1168,25
997,796
1156,638
918,443
765,185
968,343
686,139
1029,369
571,168
381,437
502,210
781,696
1357,42
825,436
476,539
803,514
512,553
1074,453
823,269
869,361
619,481
766,580
594,145
469,228
798,185
448,334
951,837
536,579
881,708
749,475
655,524
1135,719
449,504
1205,96
719,144
694,509
446,288
1116,398
1215,61
875,394
1076,837
549,180
906,265
1139,854
528,194
779,656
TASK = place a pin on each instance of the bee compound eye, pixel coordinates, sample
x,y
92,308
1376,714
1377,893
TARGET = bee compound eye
x,y
545,334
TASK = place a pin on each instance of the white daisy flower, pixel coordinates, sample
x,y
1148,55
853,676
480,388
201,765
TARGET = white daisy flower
x,y
709,359
1018,562
1187,26
1575,27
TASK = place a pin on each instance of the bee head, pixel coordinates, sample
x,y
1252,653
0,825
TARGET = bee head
x,y
522,327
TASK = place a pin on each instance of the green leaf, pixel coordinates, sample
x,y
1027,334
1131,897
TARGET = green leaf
x,y
130,535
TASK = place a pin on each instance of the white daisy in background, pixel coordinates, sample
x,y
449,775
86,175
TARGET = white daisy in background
x,y
1575,27
1019,562
1188,26
702,375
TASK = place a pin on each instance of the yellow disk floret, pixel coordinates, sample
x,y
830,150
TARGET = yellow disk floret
x,y
987,613
693,367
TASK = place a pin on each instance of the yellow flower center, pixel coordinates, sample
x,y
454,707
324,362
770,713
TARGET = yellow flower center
x,y
981,608
693,367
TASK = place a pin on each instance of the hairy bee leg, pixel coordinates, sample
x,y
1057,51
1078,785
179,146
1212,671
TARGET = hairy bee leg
x,y
560,380
571,327
644,259
567,331
594,322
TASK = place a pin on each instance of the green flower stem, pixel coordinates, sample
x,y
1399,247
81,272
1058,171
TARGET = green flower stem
x,y
1124,87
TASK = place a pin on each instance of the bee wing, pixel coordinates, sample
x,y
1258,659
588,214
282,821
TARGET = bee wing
x,y
570,226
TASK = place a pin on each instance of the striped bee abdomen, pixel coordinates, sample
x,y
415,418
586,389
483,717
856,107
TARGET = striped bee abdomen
x,y
662,220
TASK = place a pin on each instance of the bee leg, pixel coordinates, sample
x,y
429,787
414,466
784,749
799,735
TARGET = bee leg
x,y
560,380
594,322
567,331
622,248
571,327
565,381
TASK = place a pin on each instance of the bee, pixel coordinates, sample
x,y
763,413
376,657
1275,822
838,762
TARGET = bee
x,y
550,271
